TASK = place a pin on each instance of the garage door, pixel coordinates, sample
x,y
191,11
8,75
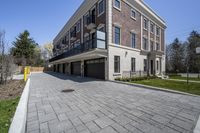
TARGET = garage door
x,y
76,68
95,68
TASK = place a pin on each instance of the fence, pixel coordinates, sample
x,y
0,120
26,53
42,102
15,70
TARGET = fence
x,y
130,74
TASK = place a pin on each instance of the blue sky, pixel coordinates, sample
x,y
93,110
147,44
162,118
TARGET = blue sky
x,y
45,18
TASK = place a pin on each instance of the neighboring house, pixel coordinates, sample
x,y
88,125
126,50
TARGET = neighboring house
x,y
111,38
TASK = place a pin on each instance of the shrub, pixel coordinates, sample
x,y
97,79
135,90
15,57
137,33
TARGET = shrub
x,y
135,78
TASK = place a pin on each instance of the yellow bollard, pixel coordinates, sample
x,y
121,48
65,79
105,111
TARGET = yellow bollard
x,y
25,74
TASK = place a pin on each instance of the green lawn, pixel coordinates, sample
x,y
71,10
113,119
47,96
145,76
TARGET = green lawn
x,y
7,110
183,78
193,88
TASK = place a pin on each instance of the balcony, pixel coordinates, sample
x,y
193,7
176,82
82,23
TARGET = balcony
x,y
97,43
91,20
73,35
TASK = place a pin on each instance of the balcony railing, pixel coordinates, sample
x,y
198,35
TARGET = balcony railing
x,y
91,22
98,42
73,35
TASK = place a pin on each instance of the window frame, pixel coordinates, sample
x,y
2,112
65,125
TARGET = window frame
x,y
145,25
118,33
157,46
157,31
132,33
152,25
120,4
116,62
99,14
78,26
146,48
152,44
133,17
133,64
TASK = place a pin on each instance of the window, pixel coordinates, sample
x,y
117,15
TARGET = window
x,y
78,27
86,18
133,14
152,27
133,64
157,65
145,43
117,4
152,45
145,65
117,35
101,7
133,40
116,64
145,24
157,31
157,46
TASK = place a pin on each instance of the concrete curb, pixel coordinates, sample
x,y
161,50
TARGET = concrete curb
x,y
190,81
18,124
197,128
156,88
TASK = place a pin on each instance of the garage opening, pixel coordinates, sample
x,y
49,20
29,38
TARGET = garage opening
x,y
95,68
76,68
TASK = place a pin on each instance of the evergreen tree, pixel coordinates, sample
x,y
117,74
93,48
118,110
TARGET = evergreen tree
x,y
24,48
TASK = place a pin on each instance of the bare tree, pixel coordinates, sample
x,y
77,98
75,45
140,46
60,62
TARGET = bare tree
x,y
7,66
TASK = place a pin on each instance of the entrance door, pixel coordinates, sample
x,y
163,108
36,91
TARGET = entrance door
x,y
152,67
64,68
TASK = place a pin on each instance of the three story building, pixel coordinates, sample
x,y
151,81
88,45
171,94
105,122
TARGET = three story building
x,y
107,39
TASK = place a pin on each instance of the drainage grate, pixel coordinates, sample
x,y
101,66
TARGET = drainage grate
x,y
68,90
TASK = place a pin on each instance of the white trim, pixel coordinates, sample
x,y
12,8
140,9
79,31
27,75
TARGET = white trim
x,y
120,43
119,9
117,24
103,8
132,39
157,18
125,47
18,124
78,23
146,8
133,10
100,26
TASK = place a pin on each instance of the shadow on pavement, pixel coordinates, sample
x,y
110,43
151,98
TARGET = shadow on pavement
x,y
73,78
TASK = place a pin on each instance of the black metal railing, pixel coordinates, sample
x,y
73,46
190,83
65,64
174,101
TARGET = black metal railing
x,y
84,47
91,19
73,34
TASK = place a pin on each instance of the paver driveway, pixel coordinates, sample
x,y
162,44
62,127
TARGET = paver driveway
x,y
106,107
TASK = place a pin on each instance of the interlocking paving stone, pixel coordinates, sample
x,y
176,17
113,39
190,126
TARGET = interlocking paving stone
x,y
92,127
107,130
119,128
105,107
88,117
104,122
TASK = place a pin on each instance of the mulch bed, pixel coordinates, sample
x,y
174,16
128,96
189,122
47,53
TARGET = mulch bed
x,y
12,89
